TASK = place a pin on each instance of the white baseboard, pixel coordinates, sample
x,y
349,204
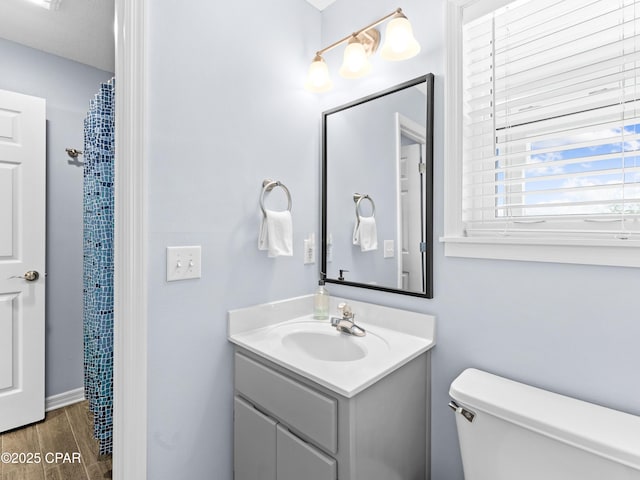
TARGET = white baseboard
x,y
63,399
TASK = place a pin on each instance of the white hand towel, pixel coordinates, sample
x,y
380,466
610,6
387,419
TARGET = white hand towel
x,y
365,234
276,234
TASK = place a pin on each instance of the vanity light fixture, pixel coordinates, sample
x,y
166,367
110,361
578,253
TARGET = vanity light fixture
x,y
399,44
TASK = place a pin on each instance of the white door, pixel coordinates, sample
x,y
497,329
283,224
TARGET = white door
x,y
22,250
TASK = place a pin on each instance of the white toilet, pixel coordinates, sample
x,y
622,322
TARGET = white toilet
x,y
511,431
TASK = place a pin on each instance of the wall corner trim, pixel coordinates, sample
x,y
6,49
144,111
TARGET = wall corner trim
x,y
130,244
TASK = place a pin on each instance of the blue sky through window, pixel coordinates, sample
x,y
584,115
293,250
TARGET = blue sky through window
x,y
587,180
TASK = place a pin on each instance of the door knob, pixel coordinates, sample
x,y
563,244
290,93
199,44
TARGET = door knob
x,y
30,276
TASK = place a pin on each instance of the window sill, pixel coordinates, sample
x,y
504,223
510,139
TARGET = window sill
x,y
620,253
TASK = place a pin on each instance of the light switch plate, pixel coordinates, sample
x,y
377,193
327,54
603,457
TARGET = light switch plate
x,y
184,263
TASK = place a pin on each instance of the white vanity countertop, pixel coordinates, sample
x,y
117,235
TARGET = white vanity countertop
x,y
342,363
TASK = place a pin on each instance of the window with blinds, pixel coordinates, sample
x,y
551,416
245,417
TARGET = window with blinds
x,y
551,134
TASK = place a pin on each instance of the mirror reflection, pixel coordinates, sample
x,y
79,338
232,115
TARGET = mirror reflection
x,y
377,190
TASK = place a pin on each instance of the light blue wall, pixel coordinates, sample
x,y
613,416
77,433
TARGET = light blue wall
x,y
572,329
67,87
227,110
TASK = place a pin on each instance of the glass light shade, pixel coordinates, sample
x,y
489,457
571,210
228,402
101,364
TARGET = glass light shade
x,y
399,42
356,64
48,4
318,79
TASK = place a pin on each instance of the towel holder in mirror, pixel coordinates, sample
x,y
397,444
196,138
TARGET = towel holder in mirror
x,y
357,198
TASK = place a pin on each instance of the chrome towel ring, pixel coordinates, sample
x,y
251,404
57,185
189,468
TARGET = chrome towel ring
x,y
358,197
267,186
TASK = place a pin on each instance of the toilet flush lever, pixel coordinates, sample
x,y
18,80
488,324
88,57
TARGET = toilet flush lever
x,y
469,415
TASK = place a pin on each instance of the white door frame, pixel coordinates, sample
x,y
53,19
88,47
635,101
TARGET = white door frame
x,y
416,132
130,244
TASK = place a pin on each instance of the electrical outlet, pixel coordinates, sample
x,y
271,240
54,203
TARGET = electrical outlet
x,y
389,249
309,251
184,263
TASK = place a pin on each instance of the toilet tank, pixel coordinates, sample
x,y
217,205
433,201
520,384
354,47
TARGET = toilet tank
x,y
512,431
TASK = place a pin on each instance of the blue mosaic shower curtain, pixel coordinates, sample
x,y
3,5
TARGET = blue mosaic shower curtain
x,y
98,219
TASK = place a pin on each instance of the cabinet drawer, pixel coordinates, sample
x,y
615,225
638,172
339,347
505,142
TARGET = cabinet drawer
x,y
311,413
298,460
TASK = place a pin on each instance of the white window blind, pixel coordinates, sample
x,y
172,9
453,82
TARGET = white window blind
x,y
551,142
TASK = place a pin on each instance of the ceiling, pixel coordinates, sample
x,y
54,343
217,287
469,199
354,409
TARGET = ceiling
x,y
80,30
321,4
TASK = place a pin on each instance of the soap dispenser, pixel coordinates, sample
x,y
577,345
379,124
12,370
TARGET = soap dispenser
x,y
321,302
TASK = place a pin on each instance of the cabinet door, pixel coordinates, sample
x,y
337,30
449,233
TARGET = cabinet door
x,y
254,443
297,460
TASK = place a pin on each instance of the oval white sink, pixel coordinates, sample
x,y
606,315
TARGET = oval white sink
x,y
329,346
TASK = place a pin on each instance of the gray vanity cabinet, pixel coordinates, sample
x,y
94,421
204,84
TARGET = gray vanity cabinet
x,y
287,427
264,446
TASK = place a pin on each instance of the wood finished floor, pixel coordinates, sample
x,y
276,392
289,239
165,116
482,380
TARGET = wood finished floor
x,y
65,430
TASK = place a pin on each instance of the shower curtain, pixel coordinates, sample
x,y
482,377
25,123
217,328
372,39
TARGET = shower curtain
x,y
99,126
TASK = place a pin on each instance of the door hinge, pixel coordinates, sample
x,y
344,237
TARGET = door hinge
x,y
422,168
423,247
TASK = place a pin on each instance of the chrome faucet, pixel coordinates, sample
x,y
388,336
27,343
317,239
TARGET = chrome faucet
x,y
346,324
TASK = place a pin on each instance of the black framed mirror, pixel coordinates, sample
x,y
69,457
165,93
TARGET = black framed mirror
x,y
377,190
